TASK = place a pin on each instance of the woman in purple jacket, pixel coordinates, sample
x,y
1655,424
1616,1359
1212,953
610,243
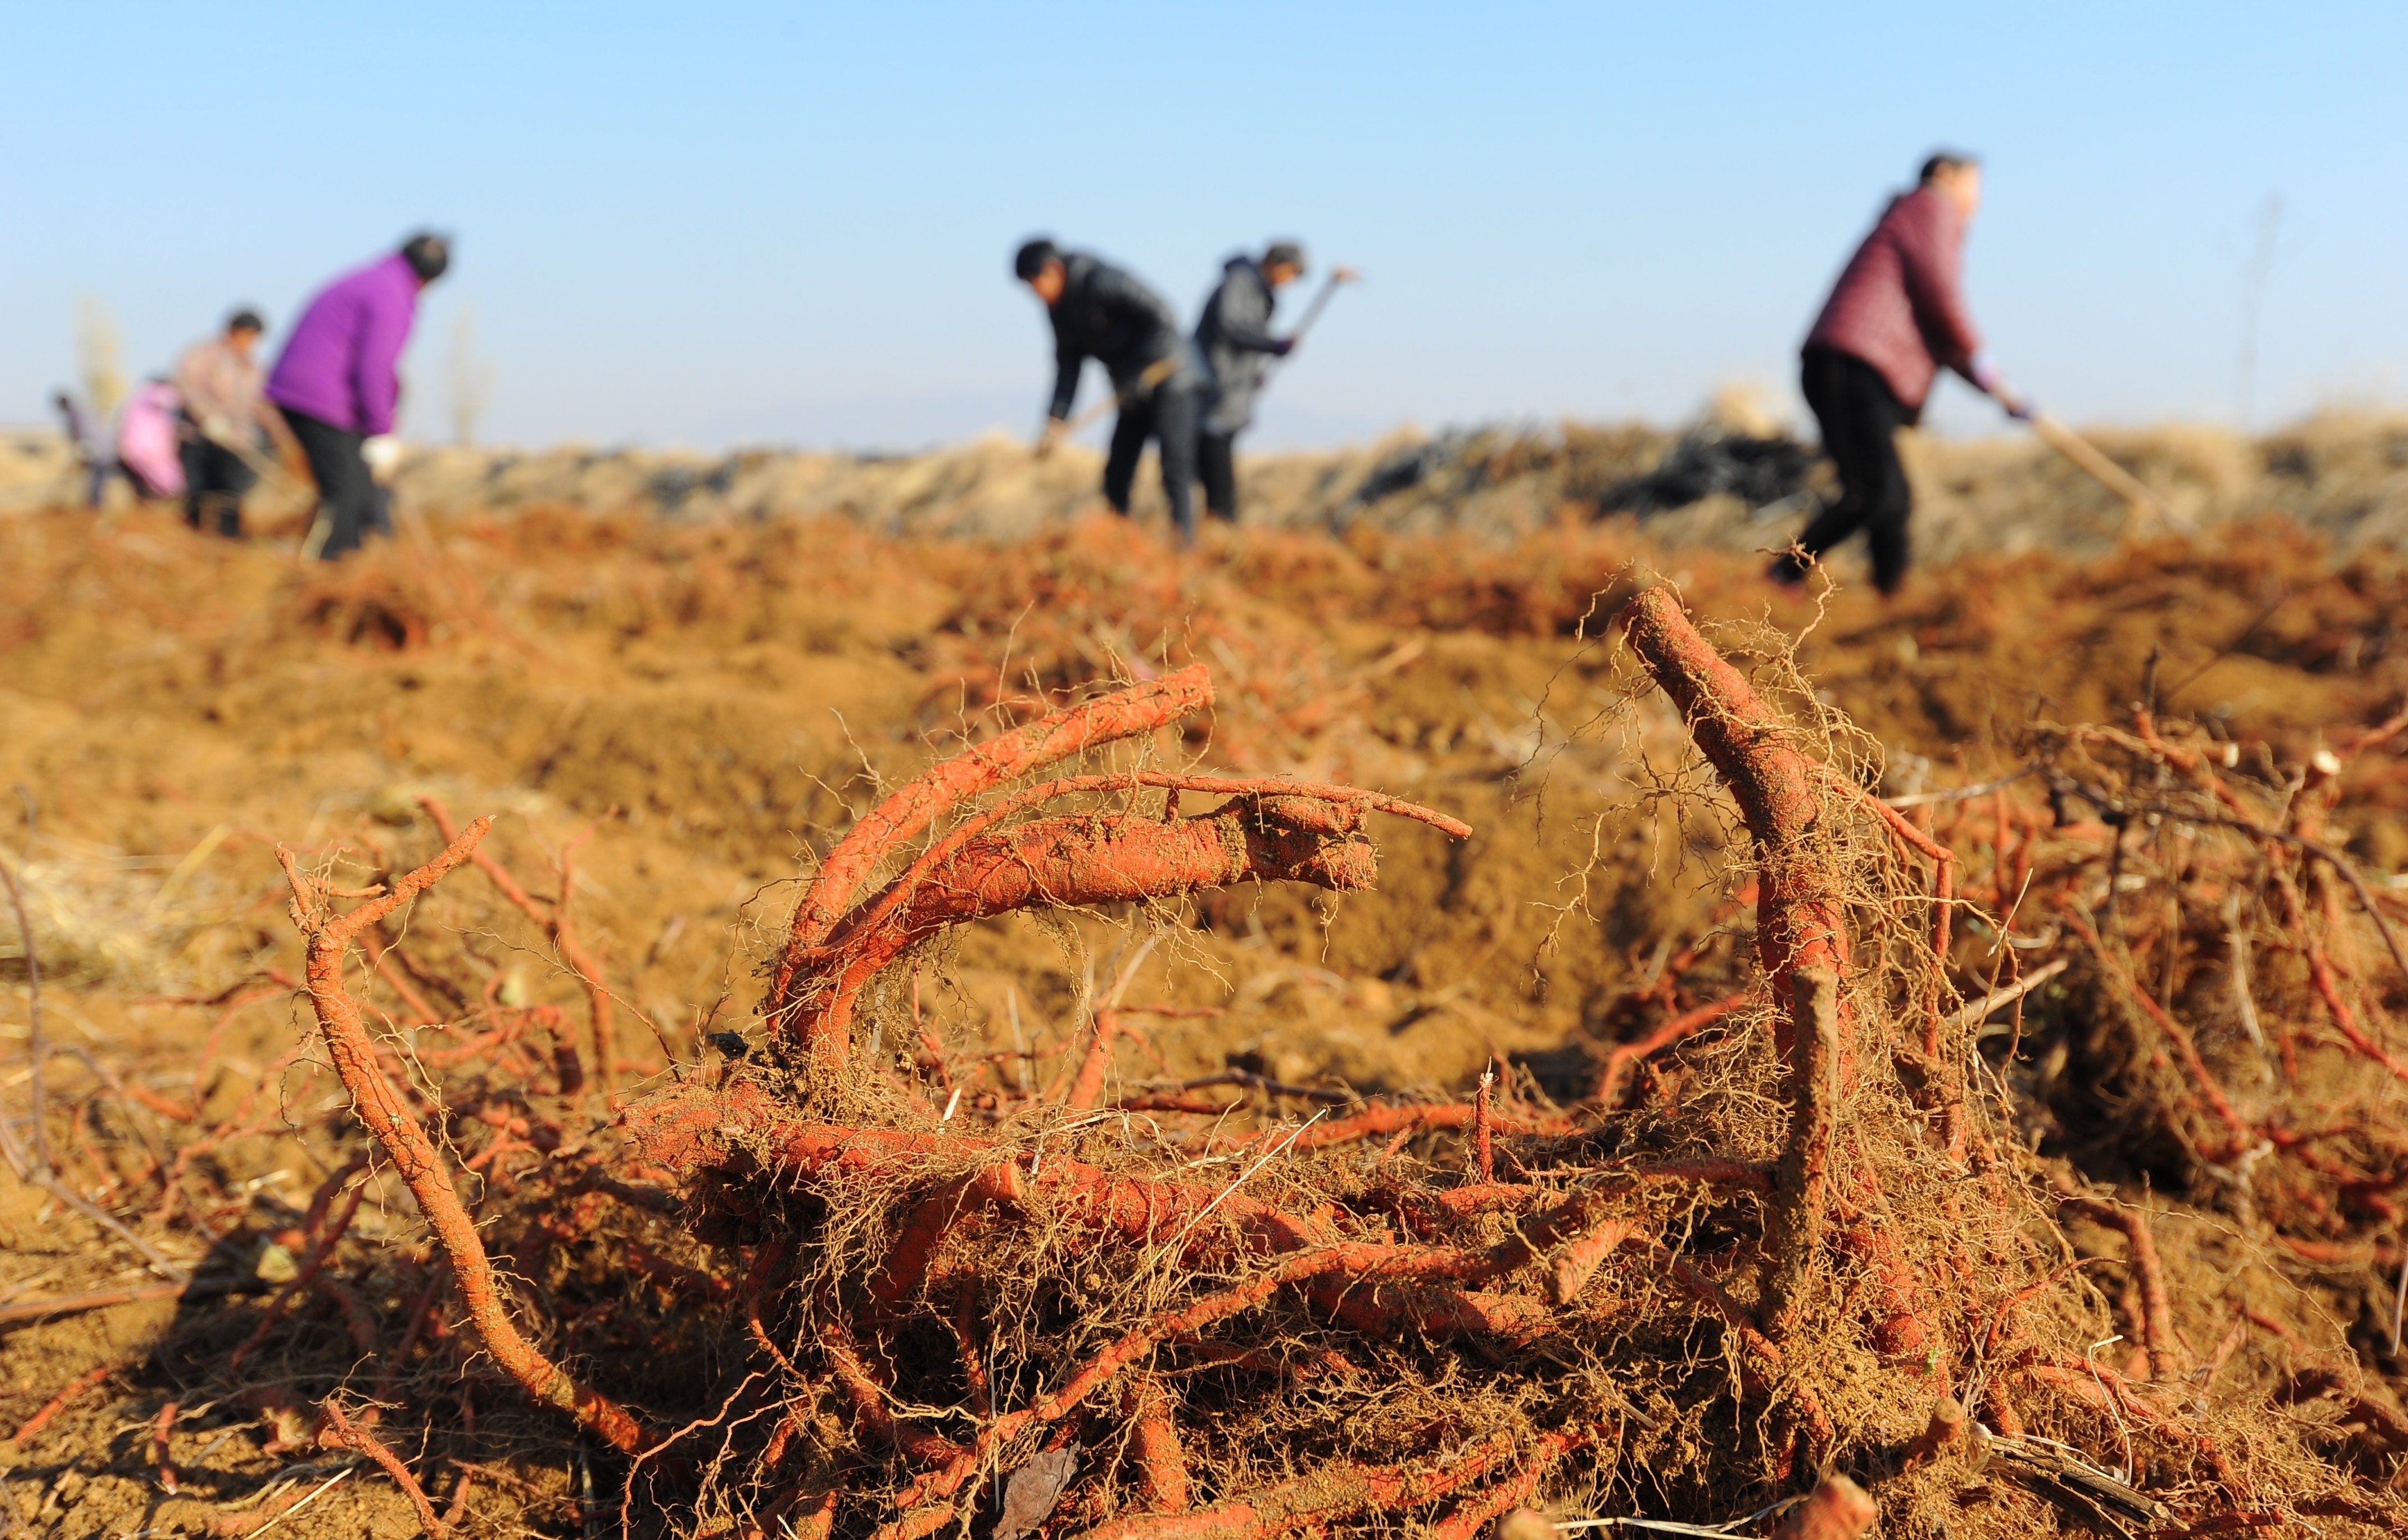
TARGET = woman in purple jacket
x,y
335,382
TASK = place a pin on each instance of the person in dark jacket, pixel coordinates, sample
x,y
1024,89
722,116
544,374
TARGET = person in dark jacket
x,y
1235,337
1101,312
88,437
338,383
1894,321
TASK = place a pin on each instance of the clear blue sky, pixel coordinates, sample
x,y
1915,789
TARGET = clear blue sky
x,y
720,223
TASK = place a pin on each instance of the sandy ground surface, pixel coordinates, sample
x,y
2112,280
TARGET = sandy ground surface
x,y
2345,476
700,703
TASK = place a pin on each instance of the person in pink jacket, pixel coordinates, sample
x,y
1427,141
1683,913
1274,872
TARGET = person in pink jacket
x,y
146,440
337,383
1894,321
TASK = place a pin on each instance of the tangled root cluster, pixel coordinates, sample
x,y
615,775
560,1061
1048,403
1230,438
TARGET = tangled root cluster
x,y
1796,1240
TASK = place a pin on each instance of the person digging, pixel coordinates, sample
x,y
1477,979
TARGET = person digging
x,y
338,385
1895,319
225,429
1103,312
1235,338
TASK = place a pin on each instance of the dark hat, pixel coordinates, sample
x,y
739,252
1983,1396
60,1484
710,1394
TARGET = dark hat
x,y
1284,253
1033,255
428,255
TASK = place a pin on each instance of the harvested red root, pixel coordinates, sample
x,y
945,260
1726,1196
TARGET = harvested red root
x,y
1801,931
388,1118
27,1429
2160,1338
1819,1229
1801,920
553,918
1161,1459
1474,1515
1085,860
1406,1117
910,811
1795,1227
1501,1278
1837,1510
1619,1062
163,1469
1087,1086
340,1432
1947,1426
1332,1493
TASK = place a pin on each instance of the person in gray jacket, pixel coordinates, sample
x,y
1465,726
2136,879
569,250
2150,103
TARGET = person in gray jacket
x,y
1234,336
1100,311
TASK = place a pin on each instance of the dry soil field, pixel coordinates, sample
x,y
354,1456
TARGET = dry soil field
x,y
1132,1162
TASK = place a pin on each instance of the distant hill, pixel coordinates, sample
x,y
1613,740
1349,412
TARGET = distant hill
x,y
2342,475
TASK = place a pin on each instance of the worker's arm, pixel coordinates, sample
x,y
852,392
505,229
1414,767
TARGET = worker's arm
x,y
1067,361
1245,326
1250,338
1990,382
375,363
209,394
1928,263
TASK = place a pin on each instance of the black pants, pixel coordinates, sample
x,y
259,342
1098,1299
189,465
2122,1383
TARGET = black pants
x,y
349,499
1860,416
1216,466
1168,416
215,479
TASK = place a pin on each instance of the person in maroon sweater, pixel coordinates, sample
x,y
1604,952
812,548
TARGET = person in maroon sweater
x,y
1894,321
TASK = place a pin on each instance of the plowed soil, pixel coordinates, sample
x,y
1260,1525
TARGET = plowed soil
x,y
708,704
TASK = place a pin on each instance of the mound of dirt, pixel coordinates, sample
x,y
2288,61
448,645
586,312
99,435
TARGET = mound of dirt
x,y
1732,485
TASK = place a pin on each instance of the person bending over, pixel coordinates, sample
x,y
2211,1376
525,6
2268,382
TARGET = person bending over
x,y
224,425
1894,321
1102,312
1234,336
337,386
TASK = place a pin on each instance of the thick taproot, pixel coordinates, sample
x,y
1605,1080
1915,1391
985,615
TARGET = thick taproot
x,y
1801,914
1068,861
1161,1458
1337,1491
909,812
1801,918
691,1129
1838,1509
